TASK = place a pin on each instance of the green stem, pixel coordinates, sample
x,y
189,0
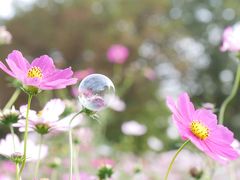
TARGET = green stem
x,y
39,159
26,134
12,99
231,96
71,144
174,157
17,172
117,72
76,165
12,133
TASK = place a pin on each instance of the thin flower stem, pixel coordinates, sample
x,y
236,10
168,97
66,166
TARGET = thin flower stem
x,y
76,165
175,156
231,96
26,134
12,99
12,133
39,159
17,172
71,144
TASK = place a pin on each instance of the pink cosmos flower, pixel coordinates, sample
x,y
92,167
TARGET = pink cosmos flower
x,y
117,53
201,128
231,39
41,73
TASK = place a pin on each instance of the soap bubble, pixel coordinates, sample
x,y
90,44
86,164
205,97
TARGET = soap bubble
x,y
95,92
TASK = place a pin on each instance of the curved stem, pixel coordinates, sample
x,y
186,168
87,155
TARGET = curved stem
x,y
71,144
12,99
26,134
174,157
231,96
39,159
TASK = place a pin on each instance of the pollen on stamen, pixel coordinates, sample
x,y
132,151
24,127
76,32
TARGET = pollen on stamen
x,y
34,72
199,130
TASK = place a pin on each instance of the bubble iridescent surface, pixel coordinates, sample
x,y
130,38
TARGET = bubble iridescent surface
x,y
96,92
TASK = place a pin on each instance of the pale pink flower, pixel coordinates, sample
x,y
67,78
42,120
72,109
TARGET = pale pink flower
x,y
5,177
116,103
81,74
236,145
5,36
10,149
231,39
150,74
47,120
133,128
98,163
117,53
85,135
201,128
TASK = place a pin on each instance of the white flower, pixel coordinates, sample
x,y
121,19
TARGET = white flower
x,y
116,103
133,128
45,121
5,36
154,143
10,149
9,116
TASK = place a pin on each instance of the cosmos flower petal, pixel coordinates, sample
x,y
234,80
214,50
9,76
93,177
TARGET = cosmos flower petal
x,y
58,84
60,74
53,109
45,63
32,113
6,70
14,68
183,109
19,60
205,116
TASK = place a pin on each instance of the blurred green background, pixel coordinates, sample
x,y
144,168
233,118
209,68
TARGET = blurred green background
x,y
177,40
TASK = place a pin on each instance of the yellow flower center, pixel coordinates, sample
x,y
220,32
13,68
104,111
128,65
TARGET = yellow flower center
x,y
34,72
40,113
199,130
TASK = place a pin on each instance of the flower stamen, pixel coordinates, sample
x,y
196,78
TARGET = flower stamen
x,y
35,72
199,130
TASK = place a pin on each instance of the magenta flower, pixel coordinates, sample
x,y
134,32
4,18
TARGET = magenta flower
x,y
231,39
41,73
117,53
201,128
